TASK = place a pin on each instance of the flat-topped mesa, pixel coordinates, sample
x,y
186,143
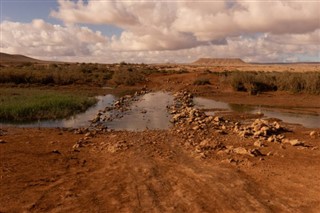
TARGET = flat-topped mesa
x,y
220,62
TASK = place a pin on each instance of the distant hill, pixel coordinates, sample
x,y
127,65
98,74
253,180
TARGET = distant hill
x,y
220,62
8,58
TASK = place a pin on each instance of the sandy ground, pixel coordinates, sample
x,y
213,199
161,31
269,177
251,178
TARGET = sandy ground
x,y
49,170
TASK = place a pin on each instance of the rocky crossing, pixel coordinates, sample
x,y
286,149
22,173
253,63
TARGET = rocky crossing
x,y
205,132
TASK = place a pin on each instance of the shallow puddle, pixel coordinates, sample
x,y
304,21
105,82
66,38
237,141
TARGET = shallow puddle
x,y
294,116
149,112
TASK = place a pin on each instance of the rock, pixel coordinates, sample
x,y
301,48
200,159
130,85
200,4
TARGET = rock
x,y
88,134
313,134
255,153
2,141
222,132
56,152
217,119
240,150
196,128
258,143
272,139
277,125
296,142
204,143
269,154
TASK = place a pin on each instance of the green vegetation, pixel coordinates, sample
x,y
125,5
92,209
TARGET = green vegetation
x,y
33,104
201,81
257,82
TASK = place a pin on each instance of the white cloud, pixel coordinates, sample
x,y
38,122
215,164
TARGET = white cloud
x,y
158,31
169,25
39,38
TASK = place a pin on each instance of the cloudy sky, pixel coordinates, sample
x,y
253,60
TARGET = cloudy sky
x,y
161,31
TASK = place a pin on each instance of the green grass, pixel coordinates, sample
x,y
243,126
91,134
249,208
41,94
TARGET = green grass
x,y
35,104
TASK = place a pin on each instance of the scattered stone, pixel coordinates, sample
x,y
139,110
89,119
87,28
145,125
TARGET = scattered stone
x,y
262,129
255,153
270,154
313,134
296,142
258,143
88,134
55,151
240,150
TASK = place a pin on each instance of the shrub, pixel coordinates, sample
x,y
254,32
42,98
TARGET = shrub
x,y
201,81
257,82
128,77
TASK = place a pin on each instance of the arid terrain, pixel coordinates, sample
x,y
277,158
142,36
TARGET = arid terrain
x,y
229,162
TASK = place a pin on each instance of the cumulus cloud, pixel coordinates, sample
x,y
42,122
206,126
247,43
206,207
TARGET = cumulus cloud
x,y
170,25
39,38
171,31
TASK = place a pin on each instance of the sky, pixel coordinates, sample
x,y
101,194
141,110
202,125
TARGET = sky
x,y
161,31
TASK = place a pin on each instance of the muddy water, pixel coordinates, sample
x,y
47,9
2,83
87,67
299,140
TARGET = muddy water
x,y
304,117
149,112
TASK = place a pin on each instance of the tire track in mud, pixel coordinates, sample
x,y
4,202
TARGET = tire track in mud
x,y
132,181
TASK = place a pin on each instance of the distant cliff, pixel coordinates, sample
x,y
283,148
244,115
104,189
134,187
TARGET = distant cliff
x,y
220,61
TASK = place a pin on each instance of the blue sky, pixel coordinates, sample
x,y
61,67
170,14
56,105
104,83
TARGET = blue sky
x,y
161,31
27,10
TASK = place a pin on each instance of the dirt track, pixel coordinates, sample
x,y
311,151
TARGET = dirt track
x,y
152,171
161,171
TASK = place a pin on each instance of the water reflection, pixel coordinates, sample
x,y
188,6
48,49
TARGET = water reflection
x,y
75,121
148,113
301,116
242,108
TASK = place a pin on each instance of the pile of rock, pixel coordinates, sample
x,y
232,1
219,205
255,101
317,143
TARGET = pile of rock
x,y
185,115
118,107
262,129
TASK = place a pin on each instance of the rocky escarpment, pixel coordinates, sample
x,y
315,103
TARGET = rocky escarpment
x,y
220,62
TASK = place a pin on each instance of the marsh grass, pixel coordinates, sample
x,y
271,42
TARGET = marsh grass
x,y
34,104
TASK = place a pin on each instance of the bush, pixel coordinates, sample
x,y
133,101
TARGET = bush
x,y
128,77
201,81
257,82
